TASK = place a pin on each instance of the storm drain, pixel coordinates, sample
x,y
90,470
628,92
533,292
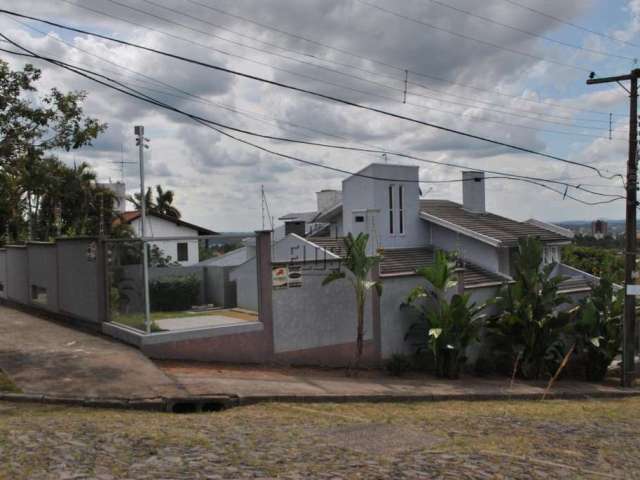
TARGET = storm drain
x,y
200,405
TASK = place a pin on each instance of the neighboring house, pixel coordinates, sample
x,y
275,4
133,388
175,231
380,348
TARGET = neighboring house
x,y
183,251
407,229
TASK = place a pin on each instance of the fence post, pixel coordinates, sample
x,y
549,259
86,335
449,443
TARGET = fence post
x,y
265,292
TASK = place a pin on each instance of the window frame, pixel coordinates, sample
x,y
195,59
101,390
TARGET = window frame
x,y
185,245
391,206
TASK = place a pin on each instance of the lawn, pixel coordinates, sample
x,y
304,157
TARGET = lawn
x,y
554,439
6,385
136,320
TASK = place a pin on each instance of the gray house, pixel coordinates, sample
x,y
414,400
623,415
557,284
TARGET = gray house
x,y
408,229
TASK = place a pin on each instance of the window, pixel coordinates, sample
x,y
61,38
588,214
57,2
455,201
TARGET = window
x,y
391,209
401,209
183,252
359,219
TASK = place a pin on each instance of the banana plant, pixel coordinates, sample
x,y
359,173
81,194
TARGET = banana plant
x,y
358,265
446,327
598,329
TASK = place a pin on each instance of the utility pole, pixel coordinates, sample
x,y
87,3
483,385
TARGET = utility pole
x,y
629,322
141,144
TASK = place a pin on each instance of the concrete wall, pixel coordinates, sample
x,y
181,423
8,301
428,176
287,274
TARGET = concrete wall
x,y
395,321
470,249
365,194
159,227
313,316
18,274
43,274
3,273
245,278
219,289
82,292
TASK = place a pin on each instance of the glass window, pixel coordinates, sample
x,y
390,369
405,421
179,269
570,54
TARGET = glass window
x,y
401,209
391,230
183,252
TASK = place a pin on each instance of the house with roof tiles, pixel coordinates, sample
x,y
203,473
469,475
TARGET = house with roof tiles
x,y
316,323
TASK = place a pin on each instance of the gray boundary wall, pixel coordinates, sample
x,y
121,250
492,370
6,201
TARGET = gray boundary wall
x,y
3,273
64,277
313,316
43,274
18,274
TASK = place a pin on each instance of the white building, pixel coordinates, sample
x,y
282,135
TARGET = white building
x,y
185,252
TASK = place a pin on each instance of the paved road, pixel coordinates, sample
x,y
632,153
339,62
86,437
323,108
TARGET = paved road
x,y
41,356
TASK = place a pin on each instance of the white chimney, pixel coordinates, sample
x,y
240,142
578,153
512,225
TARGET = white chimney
x,y
473,199
328,199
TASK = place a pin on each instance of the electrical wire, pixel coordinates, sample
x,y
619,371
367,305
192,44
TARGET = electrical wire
x,y
385,64
209,123
571,24
189,95
529,33
472,39
368,80
315,94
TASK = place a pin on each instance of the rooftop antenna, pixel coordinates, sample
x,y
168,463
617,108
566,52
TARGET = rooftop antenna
x,y
385,157
121,163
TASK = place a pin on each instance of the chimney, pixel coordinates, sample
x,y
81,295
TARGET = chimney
x,y
328,199
473,191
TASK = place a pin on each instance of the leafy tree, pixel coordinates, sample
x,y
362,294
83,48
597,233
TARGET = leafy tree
x,y
598,261
30,127
598,329
358,266
528,328
161,204
447,325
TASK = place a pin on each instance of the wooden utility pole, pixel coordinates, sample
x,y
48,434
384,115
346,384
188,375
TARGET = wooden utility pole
x,y
629,325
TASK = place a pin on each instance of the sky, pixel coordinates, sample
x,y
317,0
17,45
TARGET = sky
x,y
521,83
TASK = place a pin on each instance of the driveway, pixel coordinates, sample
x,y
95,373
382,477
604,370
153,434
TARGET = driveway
x,y
41,356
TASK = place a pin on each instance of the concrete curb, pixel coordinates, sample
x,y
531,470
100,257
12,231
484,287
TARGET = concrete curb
x,y
212,403
192,404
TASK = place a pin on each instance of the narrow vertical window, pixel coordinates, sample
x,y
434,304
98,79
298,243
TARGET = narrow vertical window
x,y
391,209
401,209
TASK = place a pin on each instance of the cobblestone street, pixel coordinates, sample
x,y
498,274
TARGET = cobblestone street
x,y
474,440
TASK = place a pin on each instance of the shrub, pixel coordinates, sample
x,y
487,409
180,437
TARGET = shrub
x,y
398,365
446,326
171,294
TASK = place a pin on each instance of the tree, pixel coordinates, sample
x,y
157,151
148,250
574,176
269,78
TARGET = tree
x,y
358,266
161,204
30,127
528,329
446,326
598,329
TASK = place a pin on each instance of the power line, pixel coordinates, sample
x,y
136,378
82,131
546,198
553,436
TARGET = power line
x,y
210,123
571,24
529,33
356,77
472,39
312,93
189,95
386,64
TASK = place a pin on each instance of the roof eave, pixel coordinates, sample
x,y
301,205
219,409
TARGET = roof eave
x,y
457,228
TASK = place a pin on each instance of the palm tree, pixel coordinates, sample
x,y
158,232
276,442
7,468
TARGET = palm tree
x,y
359,266
164,200
162,204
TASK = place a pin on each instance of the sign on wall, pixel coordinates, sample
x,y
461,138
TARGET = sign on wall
x,y
286,276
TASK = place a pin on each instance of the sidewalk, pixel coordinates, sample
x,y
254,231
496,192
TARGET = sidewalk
x,y
256,384
47,358
44,357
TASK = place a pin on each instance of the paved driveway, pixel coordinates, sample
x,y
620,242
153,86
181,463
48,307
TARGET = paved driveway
x,y
41,356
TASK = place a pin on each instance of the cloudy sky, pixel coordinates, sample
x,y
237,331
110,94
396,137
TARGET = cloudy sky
x,y
522,82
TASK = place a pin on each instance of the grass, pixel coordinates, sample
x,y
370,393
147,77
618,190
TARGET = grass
x,y
446,440
136,320
6,385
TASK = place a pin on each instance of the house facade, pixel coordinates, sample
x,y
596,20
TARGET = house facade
x,y
182,251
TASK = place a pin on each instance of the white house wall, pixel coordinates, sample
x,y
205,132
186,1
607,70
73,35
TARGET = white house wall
x,y
158,227
360,194
473,250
